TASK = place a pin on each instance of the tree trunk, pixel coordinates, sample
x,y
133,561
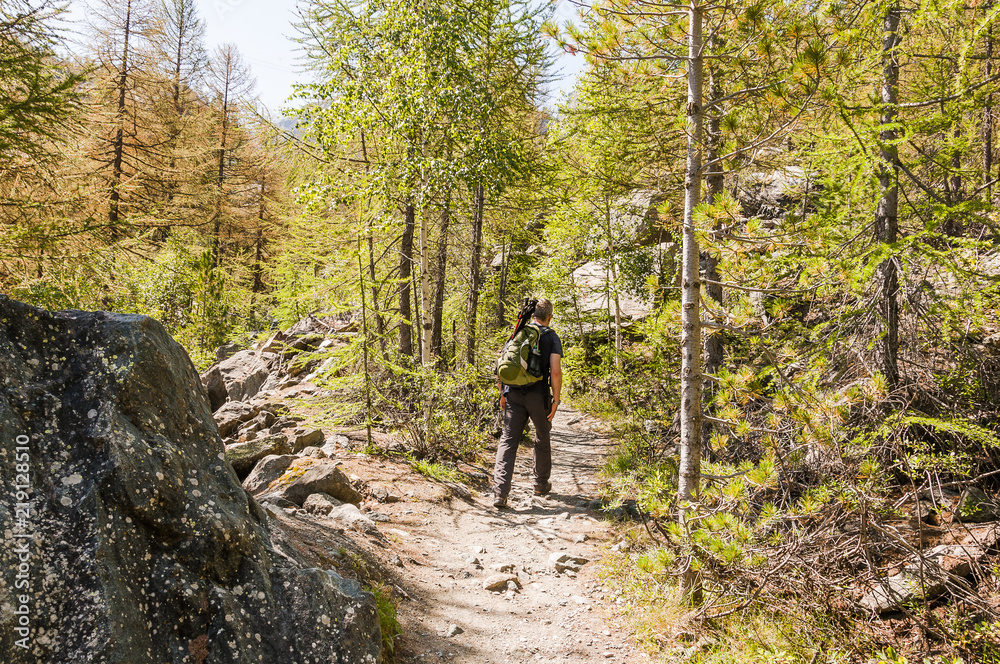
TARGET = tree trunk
x,y
369,234
886,222
426,315
714,181
221,174
988,114
474,275
439,283
613,287
504,271
689,472
117,164
405,268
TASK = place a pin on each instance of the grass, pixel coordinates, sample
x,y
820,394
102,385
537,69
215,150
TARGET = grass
x,y
437,471
387,619
669,630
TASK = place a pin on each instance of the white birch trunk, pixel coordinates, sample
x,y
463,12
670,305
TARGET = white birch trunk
x,y
690,452
425,292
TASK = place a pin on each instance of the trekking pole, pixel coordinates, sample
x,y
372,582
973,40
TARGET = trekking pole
x,y
527,309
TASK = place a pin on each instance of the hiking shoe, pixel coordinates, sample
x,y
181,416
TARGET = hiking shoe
x,y
543,490
500,503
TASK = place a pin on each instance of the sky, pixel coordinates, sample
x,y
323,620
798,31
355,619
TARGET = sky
x,y
263,31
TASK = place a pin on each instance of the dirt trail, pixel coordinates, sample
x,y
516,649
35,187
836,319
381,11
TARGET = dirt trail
x,y
447,549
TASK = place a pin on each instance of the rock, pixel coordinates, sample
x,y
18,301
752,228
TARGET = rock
x,y
950,558
459,490
244,456
229,417
498,582
145,548
307,439
635,218
383,495
562,562
226,351
942,566
241,376
453,630
579,538
768,195
314,452
264,419
508,568
278,501
396,561
976,506
351,516
267,470
901,589
591,279
324,478
320,503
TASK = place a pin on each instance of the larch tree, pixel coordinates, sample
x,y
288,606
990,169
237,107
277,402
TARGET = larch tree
x,y
119,107
232,86
38,103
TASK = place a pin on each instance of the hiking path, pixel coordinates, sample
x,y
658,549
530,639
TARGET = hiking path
x,y
447,548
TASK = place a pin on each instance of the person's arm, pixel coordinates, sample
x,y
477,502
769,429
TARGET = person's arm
x,y
503,397
555,370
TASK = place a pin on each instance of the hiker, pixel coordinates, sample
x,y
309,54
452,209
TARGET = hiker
x,y
519,402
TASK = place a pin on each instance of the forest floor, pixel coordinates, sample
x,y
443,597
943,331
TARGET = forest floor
x,y
445,542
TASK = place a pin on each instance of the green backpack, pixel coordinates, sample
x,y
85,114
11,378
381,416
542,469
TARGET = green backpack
x,y
520,361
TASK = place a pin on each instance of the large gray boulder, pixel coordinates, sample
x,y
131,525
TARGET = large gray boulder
x,y
237,378
135,541
231,415
244,456
266,471
591,281
322,478
635,218
772,194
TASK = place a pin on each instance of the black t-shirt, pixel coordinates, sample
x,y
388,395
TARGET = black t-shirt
x,y
549,343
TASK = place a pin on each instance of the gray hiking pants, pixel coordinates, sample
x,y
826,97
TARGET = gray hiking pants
x,y
520,406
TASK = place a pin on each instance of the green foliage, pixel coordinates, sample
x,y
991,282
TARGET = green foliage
x,y
437,471
388,622
39,93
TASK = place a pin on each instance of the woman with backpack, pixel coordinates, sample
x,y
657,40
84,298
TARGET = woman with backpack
x,y
529,364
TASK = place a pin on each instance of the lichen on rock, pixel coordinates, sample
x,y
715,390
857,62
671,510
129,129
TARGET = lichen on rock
x,y
143,546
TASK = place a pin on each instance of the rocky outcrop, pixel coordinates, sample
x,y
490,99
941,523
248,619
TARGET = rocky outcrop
x,y
134,541
635,219
322,478
937,571
244,456
924,578
237,378
772,194
266,471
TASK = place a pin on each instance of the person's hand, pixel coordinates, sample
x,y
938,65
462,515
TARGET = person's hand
x,y
555,407
503,402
